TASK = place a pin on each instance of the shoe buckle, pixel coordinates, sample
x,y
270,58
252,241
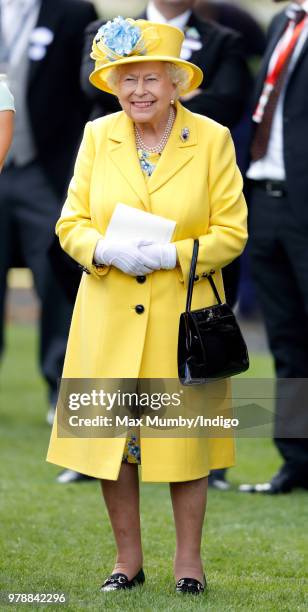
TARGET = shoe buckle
x,y
118,580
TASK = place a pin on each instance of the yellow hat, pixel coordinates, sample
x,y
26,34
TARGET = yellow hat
x,y
126,41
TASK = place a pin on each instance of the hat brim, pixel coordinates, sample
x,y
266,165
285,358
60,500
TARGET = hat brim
x,y
99,75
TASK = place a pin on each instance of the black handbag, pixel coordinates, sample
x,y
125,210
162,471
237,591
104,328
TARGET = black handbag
x,y
210,345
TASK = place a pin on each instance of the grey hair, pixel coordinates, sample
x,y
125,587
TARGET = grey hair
x,y
112,78
179,77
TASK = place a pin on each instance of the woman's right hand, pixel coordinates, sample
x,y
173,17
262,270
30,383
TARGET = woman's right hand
x,y
125,256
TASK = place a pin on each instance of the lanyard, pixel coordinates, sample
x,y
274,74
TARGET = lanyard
x,y
274,73
273,76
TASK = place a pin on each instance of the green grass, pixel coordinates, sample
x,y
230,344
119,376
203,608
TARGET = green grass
x,y
57,538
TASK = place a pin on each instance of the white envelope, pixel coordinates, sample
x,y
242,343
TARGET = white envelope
x,y
128,223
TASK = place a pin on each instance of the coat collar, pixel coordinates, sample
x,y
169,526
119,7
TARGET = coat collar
x,y
176,154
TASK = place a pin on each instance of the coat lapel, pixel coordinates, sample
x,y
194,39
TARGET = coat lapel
x,y
298,61
48,18
281,25
177,152
123,152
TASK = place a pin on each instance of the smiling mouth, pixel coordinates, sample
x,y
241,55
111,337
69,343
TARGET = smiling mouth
x,y
147,104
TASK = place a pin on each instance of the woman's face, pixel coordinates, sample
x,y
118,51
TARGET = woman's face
x,y
145,90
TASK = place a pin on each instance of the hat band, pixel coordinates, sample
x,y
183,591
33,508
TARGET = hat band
x,y
112,56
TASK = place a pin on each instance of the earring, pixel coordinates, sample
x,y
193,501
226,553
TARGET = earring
x,y
172,102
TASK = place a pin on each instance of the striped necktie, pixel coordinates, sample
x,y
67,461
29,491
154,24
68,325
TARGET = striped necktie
x,y
263,130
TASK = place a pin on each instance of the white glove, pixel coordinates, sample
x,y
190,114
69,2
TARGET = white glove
x,y
163,256
125,256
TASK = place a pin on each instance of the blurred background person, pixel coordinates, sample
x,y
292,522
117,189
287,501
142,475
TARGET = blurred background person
x,y
7,110
40,48
232,15
238,275
278,199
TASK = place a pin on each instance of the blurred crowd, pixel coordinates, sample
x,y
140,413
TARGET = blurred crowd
x,y
45,54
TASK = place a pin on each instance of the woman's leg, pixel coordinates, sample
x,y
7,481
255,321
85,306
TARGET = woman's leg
x,y
189,503
122,501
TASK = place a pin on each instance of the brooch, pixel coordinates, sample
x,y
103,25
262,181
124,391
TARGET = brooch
x,y
185,134
145,164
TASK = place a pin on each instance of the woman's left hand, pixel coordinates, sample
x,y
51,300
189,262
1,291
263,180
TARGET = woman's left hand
x,y
162,256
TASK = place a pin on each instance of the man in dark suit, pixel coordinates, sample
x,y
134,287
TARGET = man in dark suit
x,y
278,199
40,49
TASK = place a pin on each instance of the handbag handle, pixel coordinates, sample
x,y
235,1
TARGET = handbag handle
x,y
191,280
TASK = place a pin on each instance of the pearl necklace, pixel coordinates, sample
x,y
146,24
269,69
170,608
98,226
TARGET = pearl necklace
x,y
163,141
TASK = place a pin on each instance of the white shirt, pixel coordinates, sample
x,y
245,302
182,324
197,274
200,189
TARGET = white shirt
x,y
180,21
19,17
272,165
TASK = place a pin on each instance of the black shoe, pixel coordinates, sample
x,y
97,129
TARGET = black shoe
x,y
283,482
119,581
217,480
190,586
68,476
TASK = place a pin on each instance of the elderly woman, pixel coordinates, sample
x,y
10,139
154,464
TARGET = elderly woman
x,y
158,157
6,118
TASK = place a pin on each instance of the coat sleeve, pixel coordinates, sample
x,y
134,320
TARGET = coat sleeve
x,y
75,230
227,232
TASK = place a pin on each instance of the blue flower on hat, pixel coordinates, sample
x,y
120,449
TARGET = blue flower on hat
x,y
120,36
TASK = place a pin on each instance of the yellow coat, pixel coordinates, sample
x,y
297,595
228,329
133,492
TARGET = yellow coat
x,y
197,184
